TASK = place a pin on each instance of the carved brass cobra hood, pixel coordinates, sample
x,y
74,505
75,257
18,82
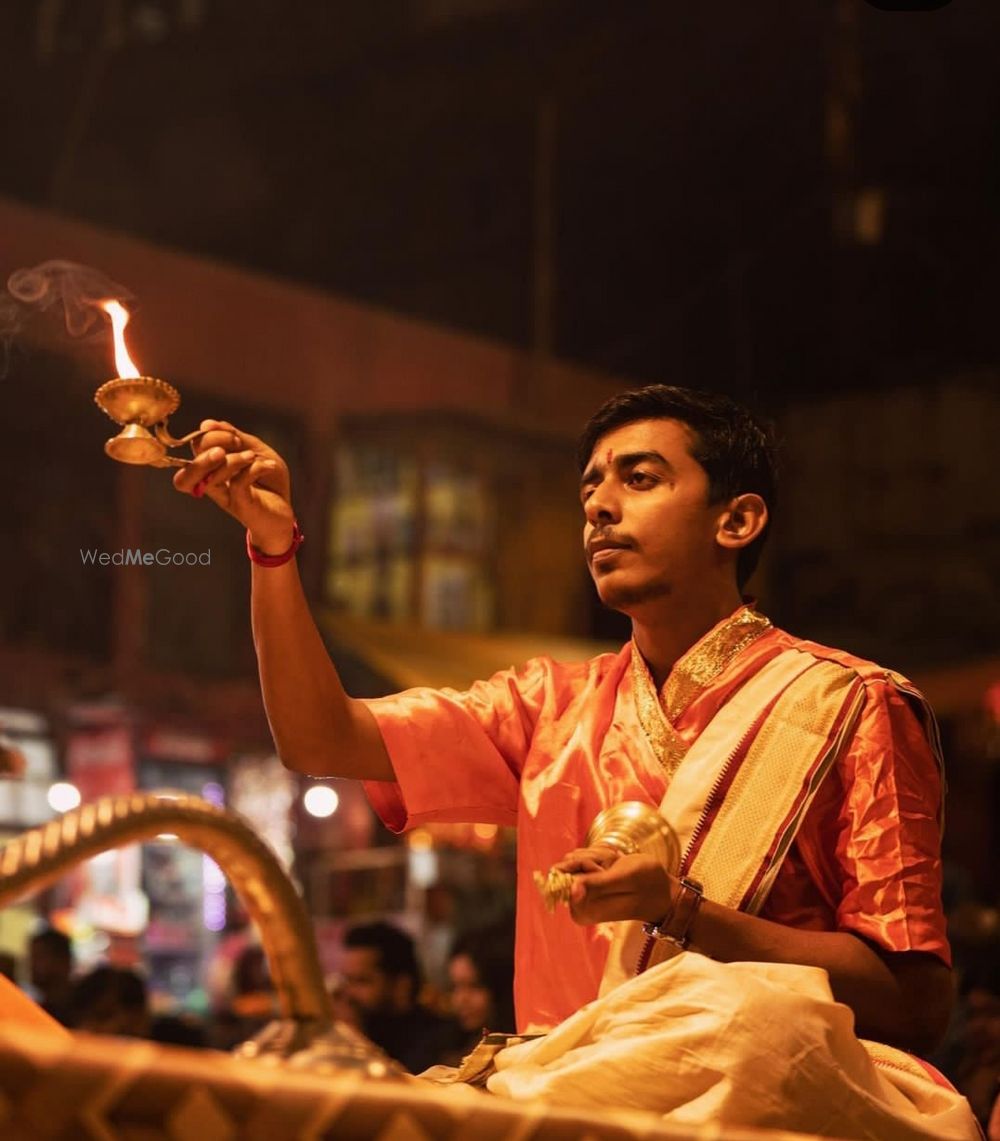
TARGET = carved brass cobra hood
x,y
306,1027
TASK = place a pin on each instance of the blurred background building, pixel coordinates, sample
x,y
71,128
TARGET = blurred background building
x,y
413,246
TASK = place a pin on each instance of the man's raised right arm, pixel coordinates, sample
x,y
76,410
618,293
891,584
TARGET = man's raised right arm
x,y
317,728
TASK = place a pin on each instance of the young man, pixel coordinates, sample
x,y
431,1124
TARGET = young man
x,y
381,982
804,783
50,963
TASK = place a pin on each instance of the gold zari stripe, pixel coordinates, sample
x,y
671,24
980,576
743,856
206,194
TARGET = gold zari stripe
x,y
706,659
697,669
664,740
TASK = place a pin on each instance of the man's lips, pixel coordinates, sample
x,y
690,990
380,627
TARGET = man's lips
x,y
606,554
602,549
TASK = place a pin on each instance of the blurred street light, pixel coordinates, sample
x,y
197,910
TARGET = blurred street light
x,y
320,800
63,796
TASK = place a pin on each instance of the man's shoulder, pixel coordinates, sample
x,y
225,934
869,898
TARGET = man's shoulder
x,y
890,700
869,672
595,668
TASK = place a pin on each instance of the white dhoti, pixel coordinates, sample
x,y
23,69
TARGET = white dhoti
x,y
739,1044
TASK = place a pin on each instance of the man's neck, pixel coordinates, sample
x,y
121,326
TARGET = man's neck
x,y
666,634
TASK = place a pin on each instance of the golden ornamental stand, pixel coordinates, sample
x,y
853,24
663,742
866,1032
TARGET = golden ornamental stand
x,y
140,403
306,1027
628,828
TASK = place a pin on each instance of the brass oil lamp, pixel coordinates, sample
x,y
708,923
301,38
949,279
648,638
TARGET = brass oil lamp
x,y
141,404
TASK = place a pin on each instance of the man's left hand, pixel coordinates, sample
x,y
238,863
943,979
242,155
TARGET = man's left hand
x,y
632,887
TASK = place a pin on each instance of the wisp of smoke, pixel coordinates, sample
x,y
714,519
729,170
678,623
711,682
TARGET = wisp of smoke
x,y
78,289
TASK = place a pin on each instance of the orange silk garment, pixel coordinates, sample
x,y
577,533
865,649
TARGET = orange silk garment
x,y
548,746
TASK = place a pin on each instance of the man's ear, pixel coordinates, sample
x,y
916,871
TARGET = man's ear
x,y
742,521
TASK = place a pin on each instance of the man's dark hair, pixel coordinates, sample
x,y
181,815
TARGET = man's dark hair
x,y
736,448
55,942
396,952
491,951
107,986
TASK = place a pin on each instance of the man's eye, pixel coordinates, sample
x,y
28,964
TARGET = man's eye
x,y
640,477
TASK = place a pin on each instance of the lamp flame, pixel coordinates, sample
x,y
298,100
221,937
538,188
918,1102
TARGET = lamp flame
x,y
119,319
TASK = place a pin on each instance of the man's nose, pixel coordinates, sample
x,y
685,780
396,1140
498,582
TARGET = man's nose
x,y
602,506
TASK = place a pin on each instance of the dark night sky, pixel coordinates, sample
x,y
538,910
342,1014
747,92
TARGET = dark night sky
x,y
386,152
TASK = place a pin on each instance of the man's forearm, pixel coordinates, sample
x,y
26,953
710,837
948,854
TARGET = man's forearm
x,y
902,1000
317,728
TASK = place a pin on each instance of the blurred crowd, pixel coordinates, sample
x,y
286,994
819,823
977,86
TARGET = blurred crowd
x,y
970,1053
381,990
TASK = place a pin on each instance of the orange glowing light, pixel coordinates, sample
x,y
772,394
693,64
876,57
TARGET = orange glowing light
x,y
119,319
420,840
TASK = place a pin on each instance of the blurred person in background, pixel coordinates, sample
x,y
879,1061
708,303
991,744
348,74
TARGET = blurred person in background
x,y
50,970
111,1000
438,933
977,1068
251,1002
178,1030
970,1053
381,983
481,979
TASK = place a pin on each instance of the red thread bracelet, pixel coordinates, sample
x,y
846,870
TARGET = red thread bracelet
x,y
263,560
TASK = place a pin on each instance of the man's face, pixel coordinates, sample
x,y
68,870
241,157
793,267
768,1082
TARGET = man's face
x,y
366,986
649,529
47,968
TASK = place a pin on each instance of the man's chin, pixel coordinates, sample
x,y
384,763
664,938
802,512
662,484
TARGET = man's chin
x,y
626,596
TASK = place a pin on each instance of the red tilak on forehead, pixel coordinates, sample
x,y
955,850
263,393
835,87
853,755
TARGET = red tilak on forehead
x,y
611,455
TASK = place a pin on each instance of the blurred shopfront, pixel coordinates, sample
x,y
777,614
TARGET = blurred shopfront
x,y
24,803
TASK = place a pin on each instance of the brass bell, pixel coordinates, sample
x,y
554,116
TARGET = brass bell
x,y
628,828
